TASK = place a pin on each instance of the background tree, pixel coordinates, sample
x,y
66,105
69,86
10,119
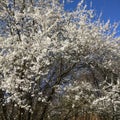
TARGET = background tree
x,y
56,64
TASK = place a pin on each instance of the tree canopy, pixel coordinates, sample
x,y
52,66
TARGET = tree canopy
x,y
56,64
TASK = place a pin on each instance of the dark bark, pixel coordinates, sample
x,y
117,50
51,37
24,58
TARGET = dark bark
x,y
59,78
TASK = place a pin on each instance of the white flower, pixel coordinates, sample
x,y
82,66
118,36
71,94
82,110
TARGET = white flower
x,y
39,99
77,97
73,105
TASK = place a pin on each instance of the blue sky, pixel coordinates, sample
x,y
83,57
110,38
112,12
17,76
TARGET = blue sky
x,y
110,8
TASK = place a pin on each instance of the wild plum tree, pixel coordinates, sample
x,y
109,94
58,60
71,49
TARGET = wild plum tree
x,y
56,64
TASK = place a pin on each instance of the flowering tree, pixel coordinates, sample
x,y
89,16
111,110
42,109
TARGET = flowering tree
x,y
56,64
